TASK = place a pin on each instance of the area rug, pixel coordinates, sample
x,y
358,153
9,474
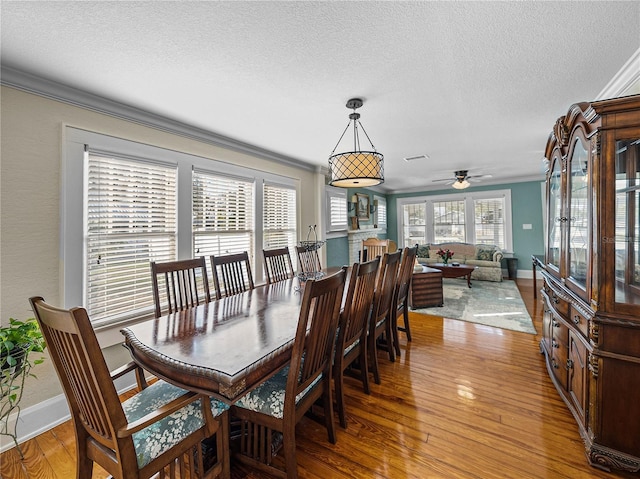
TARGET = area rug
x,y
494,304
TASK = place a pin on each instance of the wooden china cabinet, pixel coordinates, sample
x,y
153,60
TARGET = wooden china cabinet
x,y
591,292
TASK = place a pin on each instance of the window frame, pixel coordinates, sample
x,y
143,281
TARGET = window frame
x,y
381,201
73,208
469,199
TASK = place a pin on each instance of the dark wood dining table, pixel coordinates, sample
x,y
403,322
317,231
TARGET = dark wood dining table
x,y
222,348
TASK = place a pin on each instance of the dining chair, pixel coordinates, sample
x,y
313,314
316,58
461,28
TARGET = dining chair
x,y
184,284
380,321
308,260
277,264
157,429
401,296
372,247
351,345
231,274
279,403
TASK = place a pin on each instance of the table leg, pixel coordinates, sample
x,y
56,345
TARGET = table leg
x,y
469,279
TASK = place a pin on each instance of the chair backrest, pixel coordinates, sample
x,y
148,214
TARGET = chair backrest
x,y
385,286
308,259
83,372
231,274
374,247
405,275
358,304
277,264
316,335
185,284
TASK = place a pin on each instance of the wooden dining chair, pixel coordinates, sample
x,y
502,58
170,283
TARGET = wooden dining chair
x,y
231,274
308,260
182,284
158,429
277,264
401,297
279,403
380,321
372,247
351,344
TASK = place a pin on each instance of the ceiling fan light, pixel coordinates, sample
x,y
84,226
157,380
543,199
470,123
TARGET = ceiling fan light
x,y
461,185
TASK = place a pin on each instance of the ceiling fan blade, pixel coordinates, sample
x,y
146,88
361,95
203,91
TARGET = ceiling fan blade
x,y
443,179
477,177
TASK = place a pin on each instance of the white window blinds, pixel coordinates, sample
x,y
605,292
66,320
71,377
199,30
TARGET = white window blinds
x,y
490,221
381,211
131,220
223,214
279,218
336,202
449,221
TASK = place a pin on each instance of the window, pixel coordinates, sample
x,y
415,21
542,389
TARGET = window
x,y
481,217
125,204
222,214
279,219
336,207
131,220
381,211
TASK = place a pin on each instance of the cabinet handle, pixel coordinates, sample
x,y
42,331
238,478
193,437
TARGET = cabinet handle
x,y
562,219
569,364
576,319
556,324
554,364
554,344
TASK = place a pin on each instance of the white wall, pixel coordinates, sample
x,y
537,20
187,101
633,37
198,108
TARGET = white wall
x,y
31,152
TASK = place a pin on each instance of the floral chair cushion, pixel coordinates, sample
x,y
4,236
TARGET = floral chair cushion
x,y
159,437
268,397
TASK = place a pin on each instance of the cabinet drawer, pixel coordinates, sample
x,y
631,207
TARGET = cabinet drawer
x,y
559,332
579,320
557,300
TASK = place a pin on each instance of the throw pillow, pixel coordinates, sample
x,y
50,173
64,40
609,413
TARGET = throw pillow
x,y
485,253
423,251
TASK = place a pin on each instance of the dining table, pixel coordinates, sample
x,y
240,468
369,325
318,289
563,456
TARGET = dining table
x,y
222,348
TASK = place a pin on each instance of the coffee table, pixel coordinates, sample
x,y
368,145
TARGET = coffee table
x,y
450,271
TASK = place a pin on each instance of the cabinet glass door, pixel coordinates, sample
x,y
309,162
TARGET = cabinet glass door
x,y
555,214
578,221
627,222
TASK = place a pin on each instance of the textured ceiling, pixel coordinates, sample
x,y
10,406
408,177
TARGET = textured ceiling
x,y
473,85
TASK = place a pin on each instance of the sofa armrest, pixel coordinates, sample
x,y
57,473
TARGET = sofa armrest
x,y
497,256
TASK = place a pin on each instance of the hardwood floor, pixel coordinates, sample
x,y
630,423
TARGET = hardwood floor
x,y
464,401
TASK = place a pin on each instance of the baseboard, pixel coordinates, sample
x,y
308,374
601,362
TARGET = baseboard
x,y
46,415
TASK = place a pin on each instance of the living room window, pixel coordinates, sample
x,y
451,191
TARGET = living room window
x,y
479,217
125,204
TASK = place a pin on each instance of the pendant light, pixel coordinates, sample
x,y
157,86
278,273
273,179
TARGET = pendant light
x,y
357,168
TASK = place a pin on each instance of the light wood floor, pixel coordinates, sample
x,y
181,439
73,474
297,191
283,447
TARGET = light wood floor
x,y
463,401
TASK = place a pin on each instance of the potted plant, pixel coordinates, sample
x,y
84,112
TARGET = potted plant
x,y
17,341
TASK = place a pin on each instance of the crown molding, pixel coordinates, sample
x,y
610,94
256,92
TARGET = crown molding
x,y
625,82
57,91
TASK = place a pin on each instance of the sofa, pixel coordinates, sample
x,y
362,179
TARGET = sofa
x,y
486,257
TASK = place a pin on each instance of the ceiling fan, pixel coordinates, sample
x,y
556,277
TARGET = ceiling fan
x,y
461,179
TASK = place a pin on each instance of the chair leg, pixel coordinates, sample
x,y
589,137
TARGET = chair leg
x,y
328,410
390,342
394,329
364,367
338,379
289,446
373,357
222,445
405,315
